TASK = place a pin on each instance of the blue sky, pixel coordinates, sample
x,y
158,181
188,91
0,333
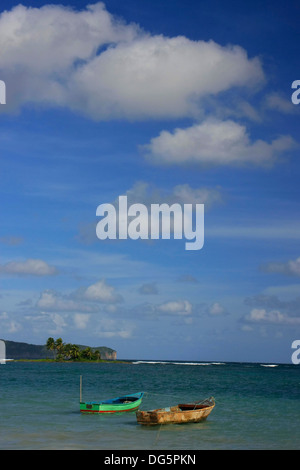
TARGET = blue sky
x,y
174,101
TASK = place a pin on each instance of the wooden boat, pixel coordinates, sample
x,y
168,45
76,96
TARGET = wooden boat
x,y
113,405
181,413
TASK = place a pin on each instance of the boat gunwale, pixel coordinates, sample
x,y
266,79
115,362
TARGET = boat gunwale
x,y
161,415
111,405
176,410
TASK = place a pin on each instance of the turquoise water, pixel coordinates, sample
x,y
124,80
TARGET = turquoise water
x,y
257,407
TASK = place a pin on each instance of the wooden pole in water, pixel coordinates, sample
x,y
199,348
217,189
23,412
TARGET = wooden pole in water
x,y
80,388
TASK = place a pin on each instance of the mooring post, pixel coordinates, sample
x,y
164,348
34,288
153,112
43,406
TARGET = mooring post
x,y
80,389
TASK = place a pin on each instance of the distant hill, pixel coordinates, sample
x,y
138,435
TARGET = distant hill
x,y
16,350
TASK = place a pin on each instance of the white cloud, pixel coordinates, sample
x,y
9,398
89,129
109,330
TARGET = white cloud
x,y
102,292
59,323
185,194
145,193
149,288
14,327
155,76
291,268
261,315
110,328
83,300
92,62
177,307
54,301
214,142
279,103
33,267
66,35
8,324
81,320
216,309
42,47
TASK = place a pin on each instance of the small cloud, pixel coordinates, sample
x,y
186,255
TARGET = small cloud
x,y
246,328
30,267
25,303
185,194
101,292
269,309
82,300
8,324
11,240
59,323
261,315
54,301
148,194
14,327
280,103
290,268
148,289
177,307
81,320
111,328
216,309
215,142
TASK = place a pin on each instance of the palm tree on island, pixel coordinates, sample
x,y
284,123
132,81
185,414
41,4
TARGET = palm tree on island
x,y
71,352
50,345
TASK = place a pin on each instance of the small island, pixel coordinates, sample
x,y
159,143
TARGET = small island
x,y
58,351
72,352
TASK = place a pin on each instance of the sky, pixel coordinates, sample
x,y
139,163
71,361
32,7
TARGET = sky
x,y
185,102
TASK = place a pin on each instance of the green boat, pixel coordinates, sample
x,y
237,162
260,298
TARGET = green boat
x,y
113,405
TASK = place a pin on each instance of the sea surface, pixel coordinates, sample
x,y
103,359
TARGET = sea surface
x,y
257,405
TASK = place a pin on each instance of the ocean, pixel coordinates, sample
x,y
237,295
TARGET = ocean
x,y
257,406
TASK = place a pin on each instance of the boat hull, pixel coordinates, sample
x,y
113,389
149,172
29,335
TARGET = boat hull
x,y
115,405
179,414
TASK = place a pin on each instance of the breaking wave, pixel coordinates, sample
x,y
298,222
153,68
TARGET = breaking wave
x,y
180,363
269,365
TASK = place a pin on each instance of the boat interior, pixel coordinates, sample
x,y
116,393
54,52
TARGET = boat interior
x,y
191,406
